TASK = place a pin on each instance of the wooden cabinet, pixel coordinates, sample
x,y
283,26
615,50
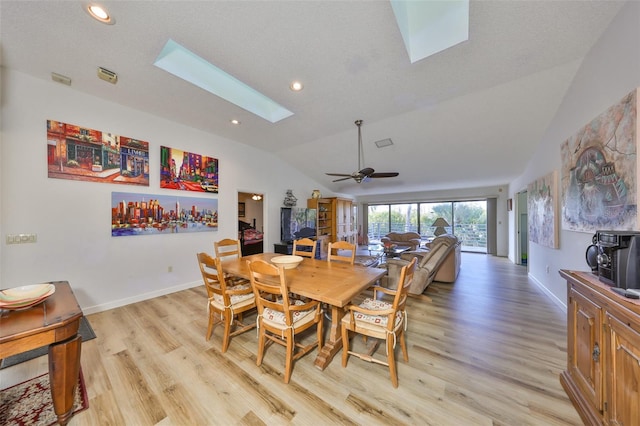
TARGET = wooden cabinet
x,y
345,221
335,220
603,352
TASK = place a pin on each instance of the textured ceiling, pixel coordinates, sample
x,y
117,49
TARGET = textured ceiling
x,y
468,116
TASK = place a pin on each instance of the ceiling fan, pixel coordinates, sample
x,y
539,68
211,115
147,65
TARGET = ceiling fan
x,y
364,173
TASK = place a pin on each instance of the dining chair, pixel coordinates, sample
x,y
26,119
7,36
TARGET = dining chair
x,y
336,252
304,247
381,319
229,249
280,319
230,301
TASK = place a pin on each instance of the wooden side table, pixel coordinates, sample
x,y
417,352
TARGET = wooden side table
x,y
53,322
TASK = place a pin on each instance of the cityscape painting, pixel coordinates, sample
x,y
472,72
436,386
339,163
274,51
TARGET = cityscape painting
x,y
79,153
187,171
144,214
599,171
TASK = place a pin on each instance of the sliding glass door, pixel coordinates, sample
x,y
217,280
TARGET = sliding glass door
x,y
465,219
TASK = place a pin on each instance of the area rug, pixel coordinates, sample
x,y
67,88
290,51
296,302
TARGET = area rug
x,y
29,403
85,331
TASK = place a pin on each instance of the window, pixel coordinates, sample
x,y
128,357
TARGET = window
x,y
467,220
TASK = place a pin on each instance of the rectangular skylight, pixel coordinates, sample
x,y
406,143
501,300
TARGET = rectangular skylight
x,y
429,27
190,67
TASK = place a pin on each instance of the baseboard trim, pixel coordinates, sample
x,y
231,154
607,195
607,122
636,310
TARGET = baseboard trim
x,y
138,298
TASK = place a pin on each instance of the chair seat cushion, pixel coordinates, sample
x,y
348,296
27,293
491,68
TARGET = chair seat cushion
x,y
276,318
237,300
377,321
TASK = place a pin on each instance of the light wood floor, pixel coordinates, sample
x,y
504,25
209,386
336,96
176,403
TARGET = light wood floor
x,y
486,350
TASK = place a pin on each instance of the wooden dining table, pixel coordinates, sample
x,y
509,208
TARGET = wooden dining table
x,y
333,283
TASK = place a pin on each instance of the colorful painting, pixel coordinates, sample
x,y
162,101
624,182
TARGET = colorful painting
x,y
144,214
79,153
542,208
599,171
187,171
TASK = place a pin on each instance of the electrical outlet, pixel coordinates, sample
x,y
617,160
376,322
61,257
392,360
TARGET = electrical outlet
x,y
170,269
547,269
21,238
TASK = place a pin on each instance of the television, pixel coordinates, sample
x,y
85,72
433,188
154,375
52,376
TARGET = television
x,y
297,222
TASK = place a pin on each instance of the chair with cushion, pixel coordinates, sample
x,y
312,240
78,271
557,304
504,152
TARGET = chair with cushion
x,y
337,252
304,247
280,319
385,320
230,302
229,249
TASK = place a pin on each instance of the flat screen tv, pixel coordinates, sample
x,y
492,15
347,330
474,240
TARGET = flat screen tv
x,y
297,222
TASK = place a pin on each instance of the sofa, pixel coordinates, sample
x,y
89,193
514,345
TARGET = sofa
x,y
440,262
402,239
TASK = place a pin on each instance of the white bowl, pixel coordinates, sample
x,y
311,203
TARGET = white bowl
x,y
25,292
289,262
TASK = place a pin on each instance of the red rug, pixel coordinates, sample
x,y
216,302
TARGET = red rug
x,y
29,403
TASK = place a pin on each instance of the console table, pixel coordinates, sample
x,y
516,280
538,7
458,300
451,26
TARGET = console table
x,y
53,322
603,352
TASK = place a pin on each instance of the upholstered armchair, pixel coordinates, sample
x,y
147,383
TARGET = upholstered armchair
x,y
443,249
402,239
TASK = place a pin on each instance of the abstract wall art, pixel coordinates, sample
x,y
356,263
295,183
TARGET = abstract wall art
x,y
187,171
79,153
599,171
542,210
148,214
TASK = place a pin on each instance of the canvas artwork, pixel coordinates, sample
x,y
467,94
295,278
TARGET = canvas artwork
x,y
79,153
542,208
599,171
187,171
145,214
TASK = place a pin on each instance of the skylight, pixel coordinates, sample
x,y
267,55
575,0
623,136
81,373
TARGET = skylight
x,y
185,64
429,27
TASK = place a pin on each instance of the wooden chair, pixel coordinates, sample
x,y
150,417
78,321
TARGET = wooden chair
x,y
334,252
229,249
228,301
301,248
280,319
382,320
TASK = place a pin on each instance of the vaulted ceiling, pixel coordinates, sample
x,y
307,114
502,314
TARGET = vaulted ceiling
x,y
468,116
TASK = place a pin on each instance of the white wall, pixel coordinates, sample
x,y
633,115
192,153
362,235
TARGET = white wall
x,y
610,71
72,218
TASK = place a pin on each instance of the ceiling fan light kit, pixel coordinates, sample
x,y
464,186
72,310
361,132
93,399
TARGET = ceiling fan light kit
x,y
363,173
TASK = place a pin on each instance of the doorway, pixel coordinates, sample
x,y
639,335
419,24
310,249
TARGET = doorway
x,y
251,222
522,223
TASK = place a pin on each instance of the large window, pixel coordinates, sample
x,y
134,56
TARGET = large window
x,y
465,219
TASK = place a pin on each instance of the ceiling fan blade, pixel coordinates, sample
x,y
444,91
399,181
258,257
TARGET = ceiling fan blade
x,y
383,175
344,178
338,174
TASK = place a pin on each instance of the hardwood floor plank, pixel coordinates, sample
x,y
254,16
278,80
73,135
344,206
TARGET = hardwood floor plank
x,y
485,350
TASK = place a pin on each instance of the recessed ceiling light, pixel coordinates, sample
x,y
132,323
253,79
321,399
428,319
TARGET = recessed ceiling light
x,y
99,13
296,86
236,122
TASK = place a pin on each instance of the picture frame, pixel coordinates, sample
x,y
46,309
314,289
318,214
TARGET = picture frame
x,y
241,209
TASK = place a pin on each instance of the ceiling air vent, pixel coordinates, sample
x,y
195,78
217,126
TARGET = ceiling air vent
x,y
106,75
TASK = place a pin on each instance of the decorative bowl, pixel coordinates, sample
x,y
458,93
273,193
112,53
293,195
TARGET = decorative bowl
x,y
289,262
25,296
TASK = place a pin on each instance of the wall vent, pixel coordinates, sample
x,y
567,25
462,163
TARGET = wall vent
x,y
106,75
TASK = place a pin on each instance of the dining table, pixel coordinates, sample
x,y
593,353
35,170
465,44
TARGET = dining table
x,y
333,283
